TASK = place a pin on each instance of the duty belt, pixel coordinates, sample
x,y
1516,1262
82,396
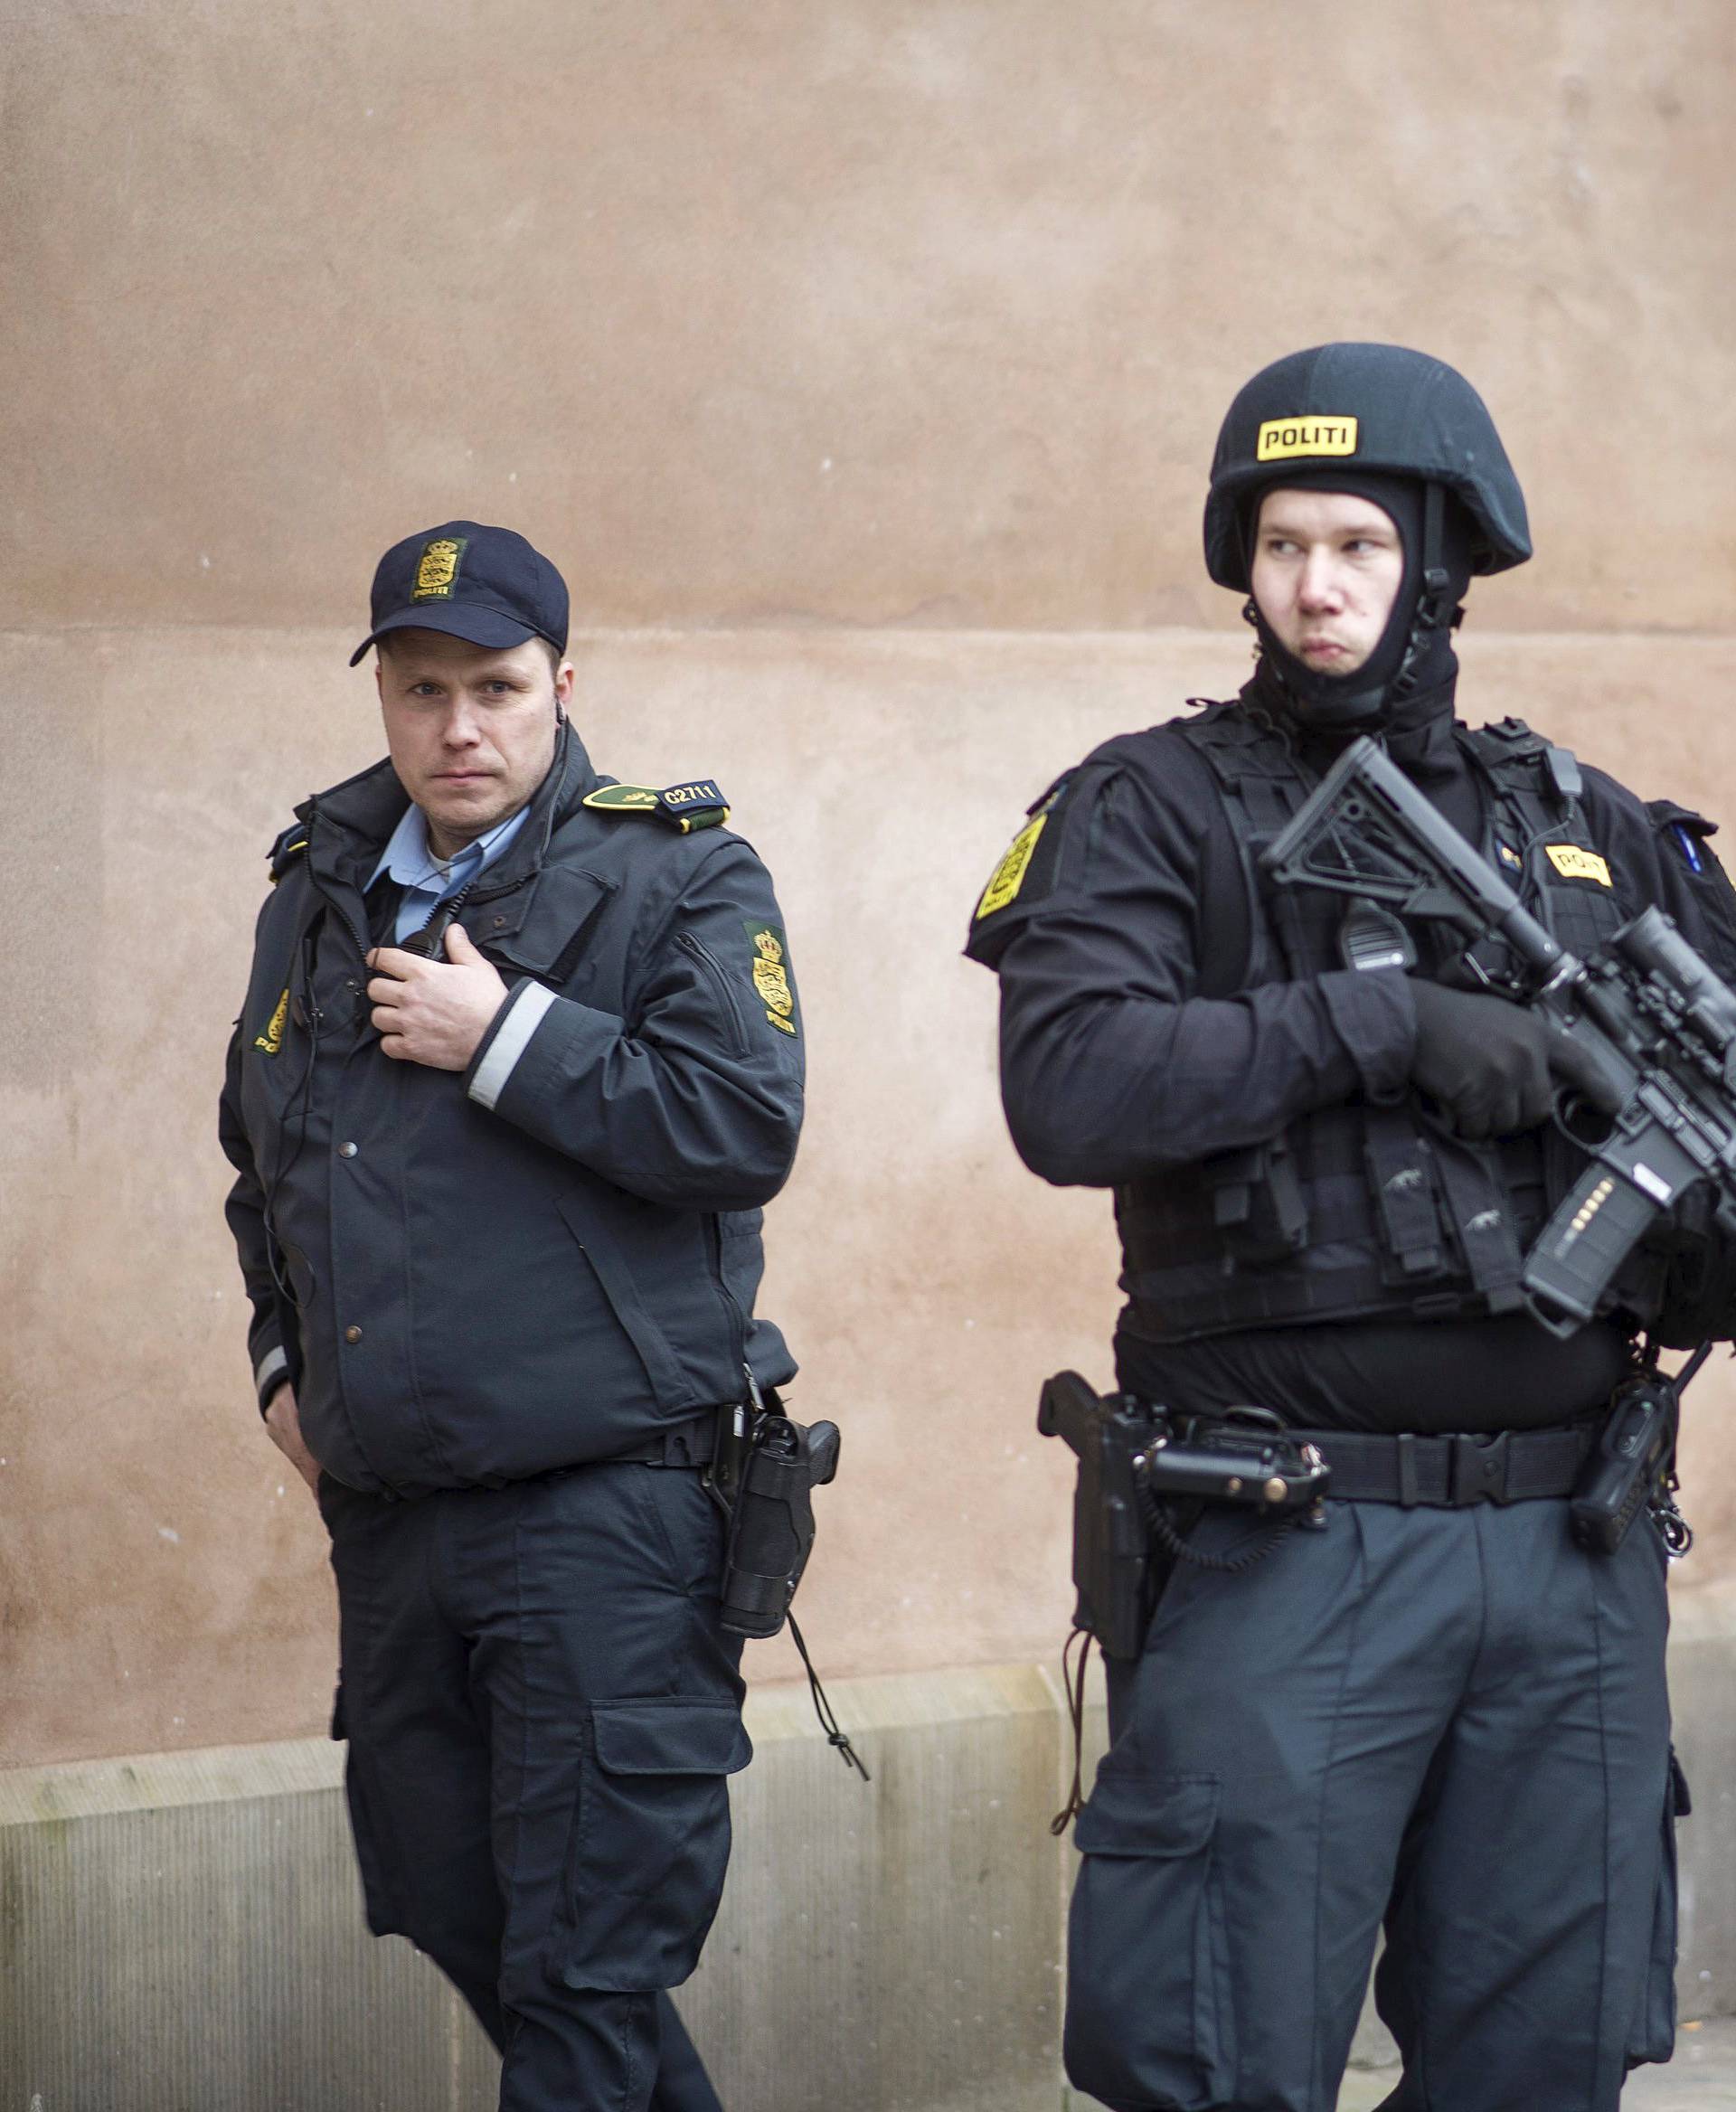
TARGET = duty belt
x,y
1454,1470
691,1443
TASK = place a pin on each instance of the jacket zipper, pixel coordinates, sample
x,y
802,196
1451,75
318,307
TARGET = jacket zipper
x,y
721,983
734,1318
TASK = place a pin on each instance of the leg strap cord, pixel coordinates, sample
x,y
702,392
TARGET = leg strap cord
x,y
1072,1681
839,1740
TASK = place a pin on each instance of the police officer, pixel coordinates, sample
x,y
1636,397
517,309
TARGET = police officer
x,y
520,1061
1435,1711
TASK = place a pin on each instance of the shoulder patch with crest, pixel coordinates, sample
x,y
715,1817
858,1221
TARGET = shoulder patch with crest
x,y
696,805
771,971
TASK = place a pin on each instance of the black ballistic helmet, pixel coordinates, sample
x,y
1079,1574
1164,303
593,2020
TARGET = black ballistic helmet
x,y
1369,407
1413,435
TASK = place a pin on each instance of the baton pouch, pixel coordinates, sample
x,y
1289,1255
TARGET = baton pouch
x,y
771,1520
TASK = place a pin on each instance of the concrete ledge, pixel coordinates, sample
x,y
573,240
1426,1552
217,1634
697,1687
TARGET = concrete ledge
x,y
185,1930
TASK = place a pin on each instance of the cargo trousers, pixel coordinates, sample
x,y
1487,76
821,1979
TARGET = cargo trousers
x,y
542,1714
1452,1721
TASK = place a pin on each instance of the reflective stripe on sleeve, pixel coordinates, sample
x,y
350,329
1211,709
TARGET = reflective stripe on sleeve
x,y
510,1042
271,1367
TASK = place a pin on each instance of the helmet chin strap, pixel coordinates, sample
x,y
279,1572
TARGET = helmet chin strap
x,y
1366,697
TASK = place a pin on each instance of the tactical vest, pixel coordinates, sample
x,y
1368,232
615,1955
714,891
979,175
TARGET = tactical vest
x,y
1363,1211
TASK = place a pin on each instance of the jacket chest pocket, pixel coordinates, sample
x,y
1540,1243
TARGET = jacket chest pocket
x,y
557,935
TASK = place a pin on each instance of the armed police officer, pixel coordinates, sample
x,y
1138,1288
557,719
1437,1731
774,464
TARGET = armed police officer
x,y
1329,1149
520,1061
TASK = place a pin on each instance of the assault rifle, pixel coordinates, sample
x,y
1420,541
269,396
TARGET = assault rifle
x,y
1644,1032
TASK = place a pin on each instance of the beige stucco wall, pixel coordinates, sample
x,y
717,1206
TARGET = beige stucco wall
x,y
873,311
858,362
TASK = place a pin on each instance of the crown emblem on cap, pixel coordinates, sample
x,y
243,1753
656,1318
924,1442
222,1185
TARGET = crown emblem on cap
x,y
439,568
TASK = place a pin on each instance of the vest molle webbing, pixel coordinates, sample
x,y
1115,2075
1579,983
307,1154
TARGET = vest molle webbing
x,y
1361,1211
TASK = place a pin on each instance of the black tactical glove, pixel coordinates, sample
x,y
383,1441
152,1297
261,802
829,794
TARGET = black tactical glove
x,y
1484,1060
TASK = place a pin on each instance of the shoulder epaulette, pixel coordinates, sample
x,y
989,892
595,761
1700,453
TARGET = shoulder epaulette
x,y
1670,814
696,804
1690,831
288,846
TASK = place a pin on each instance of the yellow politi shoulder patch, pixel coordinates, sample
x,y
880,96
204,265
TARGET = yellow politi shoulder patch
x,y
1282,439
438,567
1008,876
1573,863
271,1040
771,975
613,798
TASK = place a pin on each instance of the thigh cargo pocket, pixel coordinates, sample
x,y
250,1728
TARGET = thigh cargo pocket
x,y
650,1843
1148,2013
1652,2037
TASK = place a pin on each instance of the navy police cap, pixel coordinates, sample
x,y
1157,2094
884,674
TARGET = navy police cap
x,y
484,584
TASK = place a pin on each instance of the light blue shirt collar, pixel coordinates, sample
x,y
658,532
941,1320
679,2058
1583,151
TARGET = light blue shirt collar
x,y
412,863
426,881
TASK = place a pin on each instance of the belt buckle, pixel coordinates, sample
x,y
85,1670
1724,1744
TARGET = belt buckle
x,y
1477,1468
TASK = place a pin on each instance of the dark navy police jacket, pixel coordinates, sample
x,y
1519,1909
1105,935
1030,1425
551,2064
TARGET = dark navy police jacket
x,y
475,1278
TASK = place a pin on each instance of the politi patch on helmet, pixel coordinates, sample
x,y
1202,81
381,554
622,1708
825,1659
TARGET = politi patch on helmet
x,y
1573,863
771,976
1282,439
437,570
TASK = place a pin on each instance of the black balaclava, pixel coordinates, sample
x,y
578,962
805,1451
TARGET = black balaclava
x,y
1414,655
